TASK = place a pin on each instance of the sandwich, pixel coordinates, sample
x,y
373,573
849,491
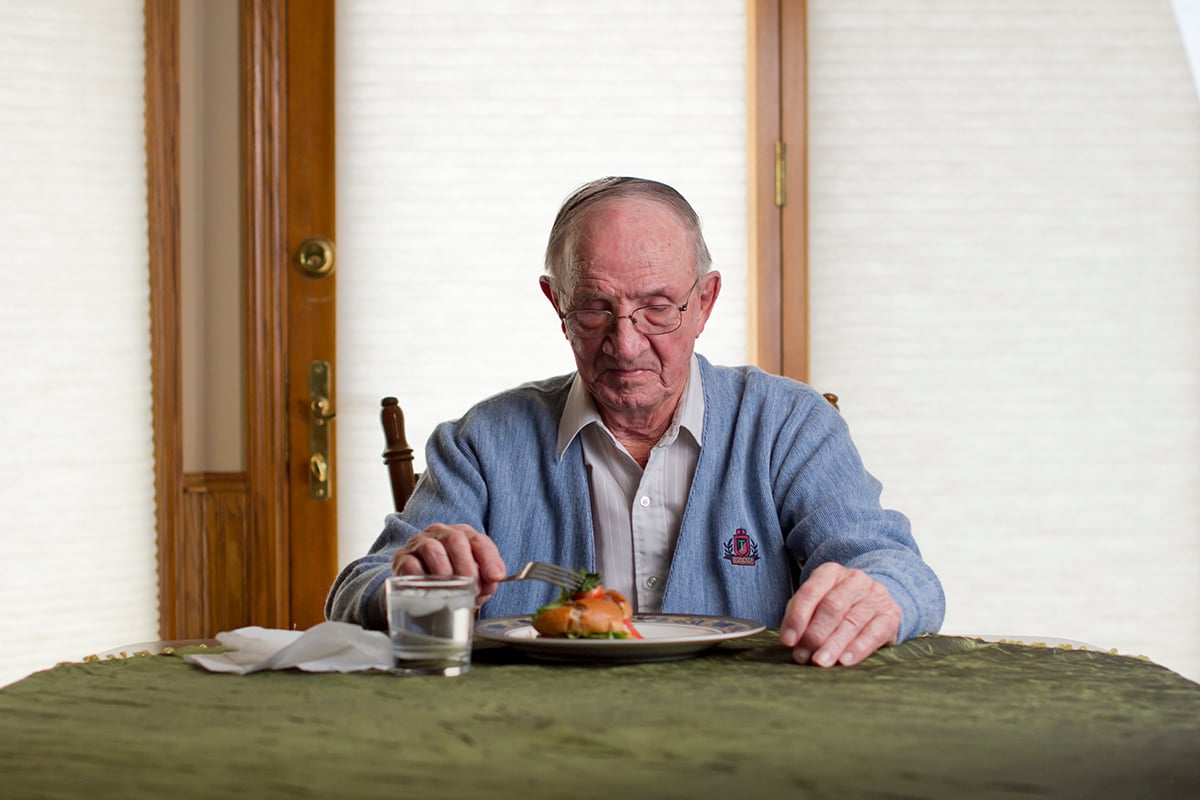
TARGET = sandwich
x,y
590,612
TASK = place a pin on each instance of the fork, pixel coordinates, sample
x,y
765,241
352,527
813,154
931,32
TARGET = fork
x,y
550,573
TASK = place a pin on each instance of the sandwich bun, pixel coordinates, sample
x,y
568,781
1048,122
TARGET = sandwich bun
x,y
599,613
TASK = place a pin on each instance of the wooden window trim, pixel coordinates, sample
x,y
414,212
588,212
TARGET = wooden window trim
x,y
763,126
793,105
778,239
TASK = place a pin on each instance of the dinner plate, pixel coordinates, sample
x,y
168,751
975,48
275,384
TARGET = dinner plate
x,y
667,637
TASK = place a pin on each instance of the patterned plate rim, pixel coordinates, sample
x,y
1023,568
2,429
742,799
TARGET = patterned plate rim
x,y
708,629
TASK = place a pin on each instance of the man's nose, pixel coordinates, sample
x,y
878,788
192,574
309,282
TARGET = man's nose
x,y
624,338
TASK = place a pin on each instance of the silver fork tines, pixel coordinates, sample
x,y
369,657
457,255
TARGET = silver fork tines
x,y
550,573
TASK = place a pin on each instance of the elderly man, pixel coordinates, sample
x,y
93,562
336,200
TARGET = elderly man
x,y
691,488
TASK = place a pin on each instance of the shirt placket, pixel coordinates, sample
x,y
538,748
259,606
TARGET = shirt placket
x,y
648,516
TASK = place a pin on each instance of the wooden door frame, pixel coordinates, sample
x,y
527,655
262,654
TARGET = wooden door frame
x,y
193,577
264,184
188,580
176,589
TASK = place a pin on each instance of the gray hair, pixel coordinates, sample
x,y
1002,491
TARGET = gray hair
x,y
561,250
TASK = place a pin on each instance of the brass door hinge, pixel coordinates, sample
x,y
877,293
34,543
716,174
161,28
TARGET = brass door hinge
x,y
780,174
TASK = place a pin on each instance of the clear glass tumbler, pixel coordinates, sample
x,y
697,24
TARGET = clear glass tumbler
x,y
431,620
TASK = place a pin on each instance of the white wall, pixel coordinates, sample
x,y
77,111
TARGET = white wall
x,y
461,127
77,539
1005,291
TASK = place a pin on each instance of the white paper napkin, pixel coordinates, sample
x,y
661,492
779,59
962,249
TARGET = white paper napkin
x,y
325,647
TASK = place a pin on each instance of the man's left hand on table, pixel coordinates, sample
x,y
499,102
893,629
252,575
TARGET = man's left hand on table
x,y
839,616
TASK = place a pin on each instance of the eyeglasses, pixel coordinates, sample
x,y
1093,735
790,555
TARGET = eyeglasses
x,y
655,320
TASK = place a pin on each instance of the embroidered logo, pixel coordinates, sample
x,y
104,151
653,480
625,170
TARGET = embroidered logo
x,y
741,550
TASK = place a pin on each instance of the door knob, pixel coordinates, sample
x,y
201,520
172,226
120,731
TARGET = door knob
x,y
316,256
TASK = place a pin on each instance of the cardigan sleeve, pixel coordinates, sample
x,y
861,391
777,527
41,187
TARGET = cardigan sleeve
x,y
451,491
495,470
830,511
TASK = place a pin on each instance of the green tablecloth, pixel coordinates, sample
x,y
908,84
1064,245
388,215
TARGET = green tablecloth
x,y
936,717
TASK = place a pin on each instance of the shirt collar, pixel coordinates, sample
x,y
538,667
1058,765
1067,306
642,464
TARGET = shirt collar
x,y
580,411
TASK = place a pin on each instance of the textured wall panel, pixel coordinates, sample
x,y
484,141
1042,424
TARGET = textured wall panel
x,y
1005,291
461,127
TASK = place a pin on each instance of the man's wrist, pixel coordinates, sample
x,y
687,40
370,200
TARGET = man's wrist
x,y
375,611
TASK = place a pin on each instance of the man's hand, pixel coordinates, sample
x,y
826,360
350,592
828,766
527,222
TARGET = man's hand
x,y
452,550
839,616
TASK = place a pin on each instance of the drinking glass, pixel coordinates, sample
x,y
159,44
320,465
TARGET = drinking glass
x,y
431,619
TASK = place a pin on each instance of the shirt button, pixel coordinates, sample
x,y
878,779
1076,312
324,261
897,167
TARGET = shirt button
x,y
651,582
645,501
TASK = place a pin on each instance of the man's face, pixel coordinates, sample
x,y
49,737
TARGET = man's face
x,y
633,253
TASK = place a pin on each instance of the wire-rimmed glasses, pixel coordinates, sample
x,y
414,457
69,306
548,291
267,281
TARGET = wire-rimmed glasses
x,y
652,320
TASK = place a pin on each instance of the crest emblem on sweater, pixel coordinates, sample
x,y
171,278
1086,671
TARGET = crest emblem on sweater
x,y
740,549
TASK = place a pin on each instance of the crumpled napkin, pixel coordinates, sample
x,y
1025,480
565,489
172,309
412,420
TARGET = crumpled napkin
x,y
325,647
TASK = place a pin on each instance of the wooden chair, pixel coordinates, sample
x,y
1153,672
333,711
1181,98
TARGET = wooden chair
x,y
398,456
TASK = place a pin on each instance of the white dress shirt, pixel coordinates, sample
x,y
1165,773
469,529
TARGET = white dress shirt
x,y
636,513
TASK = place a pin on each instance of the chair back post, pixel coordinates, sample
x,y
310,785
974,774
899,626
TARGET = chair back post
x,y
398,456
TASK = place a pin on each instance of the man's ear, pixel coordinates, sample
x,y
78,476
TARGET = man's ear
x,y
710,288
548,290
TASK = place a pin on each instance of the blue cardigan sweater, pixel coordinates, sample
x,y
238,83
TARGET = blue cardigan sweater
x,y
779,489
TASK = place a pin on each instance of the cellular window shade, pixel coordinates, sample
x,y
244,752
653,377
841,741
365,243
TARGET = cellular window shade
x,y
1005,291
77,539
461,127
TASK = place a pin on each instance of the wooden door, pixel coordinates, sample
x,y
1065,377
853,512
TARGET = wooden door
x,y
288,157
311,324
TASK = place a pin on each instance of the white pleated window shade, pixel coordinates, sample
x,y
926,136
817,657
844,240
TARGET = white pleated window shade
x,y
1005,291
461,127
77,540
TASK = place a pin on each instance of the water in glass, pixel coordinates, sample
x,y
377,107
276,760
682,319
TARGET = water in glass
x,y
431,622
